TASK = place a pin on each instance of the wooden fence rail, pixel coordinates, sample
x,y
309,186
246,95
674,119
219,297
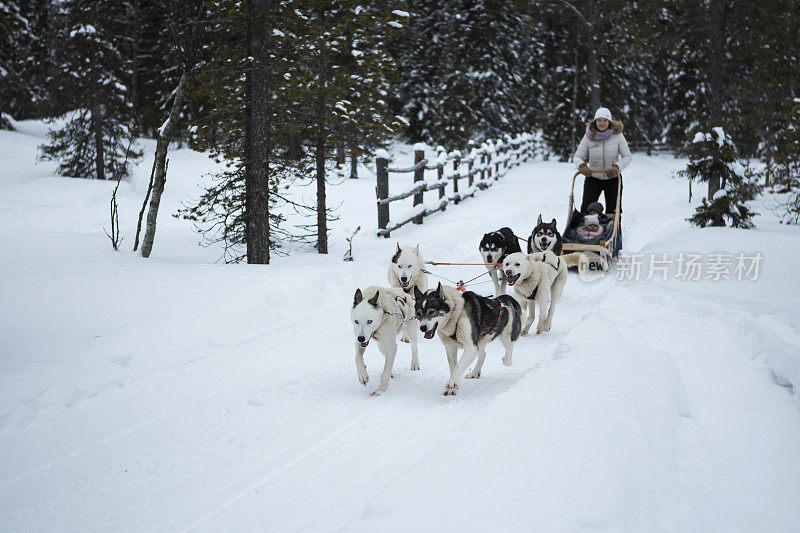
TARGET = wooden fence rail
x,y
480,167
652,147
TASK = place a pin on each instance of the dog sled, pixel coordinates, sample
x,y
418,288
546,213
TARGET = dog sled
x,y
603,251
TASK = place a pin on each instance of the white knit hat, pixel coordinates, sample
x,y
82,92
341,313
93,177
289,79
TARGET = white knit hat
x,y
602,112
588,220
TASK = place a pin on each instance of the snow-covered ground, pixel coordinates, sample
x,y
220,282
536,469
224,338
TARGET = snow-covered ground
x,y
181,393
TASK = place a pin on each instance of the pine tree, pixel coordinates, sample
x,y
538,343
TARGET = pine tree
x,y
174,36
341,83
712,156
565,98
95,140
226,212
371,77
15,41
468,71
784,166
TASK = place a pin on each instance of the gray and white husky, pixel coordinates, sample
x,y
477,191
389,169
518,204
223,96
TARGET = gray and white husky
x,y
537,278
380,314
469,321
406,270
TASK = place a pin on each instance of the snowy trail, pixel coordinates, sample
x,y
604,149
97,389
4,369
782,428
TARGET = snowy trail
x,y
214,397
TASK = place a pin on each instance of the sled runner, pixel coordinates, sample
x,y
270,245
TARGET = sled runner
x,y
606,246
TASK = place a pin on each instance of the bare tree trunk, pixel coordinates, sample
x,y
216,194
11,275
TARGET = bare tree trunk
x,y
322,218
136,38
353,161
341,151
575,91
160,166
593,75
97,127
716,74
144,206
257,172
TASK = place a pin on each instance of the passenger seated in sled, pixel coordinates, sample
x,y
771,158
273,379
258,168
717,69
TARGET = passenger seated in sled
x,y
593,226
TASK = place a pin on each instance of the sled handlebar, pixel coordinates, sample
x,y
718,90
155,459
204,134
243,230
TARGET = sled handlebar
x,y
592,170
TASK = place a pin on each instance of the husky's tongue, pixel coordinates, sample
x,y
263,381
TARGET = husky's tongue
x,y
430,332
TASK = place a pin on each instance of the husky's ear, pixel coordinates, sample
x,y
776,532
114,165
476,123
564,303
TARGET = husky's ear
x,y
357,298
374,300
396,255
418,294
539,221
553,223
416,250
440,291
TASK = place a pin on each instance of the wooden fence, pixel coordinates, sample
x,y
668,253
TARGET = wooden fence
x,y
652,148
479,168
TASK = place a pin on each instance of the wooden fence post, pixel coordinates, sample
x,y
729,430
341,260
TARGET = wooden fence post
x,y
456,161
419,175
440,162
471,146
382,191
499,154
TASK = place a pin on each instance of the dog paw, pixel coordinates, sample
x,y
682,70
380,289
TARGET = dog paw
x,y
363,378
525,331
539,331
450,389
507,361
473,375
376,393
414,366
405,338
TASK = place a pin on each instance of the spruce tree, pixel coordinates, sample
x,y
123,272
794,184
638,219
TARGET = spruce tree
x,y
222,81
341,83
712,156
15,40
95,138
468,71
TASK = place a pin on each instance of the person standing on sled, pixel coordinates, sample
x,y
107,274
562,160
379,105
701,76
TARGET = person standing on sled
x,y
602,147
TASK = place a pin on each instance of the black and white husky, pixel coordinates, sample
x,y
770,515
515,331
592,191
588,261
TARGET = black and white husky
x,y
469,321
545,237
494,248
380,314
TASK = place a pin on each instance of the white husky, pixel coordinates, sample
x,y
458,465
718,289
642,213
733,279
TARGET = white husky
x,y
406,270
537,278
381,313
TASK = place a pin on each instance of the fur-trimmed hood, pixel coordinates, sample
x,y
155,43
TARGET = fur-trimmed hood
x,y
616,126
602,153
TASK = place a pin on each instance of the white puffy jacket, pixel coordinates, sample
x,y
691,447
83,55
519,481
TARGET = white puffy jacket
x,y
603,154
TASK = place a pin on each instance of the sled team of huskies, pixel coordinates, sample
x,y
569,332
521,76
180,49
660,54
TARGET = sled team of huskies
x,y
462,320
